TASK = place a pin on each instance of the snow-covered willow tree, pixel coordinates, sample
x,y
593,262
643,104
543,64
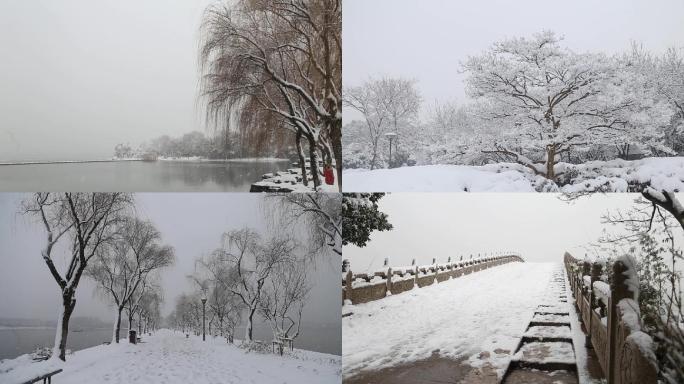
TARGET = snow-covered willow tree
x,y
549,100
277,63
284,297
247,262
387,105
84,222
212,275
122,267
319,213
149,309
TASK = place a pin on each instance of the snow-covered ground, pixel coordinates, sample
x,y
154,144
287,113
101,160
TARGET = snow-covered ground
x,y
615,176
486,311
168,357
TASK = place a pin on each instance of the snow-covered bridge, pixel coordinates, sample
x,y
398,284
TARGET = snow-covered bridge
x,y
467,328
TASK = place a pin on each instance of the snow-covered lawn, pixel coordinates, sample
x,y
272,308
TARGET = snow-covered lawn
x,y
615,175
168,357
486,311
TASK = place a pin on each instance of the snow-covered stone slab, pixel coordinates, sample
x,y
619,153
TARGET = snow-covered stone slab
x,y
549,331
546,353
551,318
557,308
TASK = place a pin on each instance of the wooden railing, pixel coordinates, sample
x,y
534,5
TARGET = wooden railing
x,y
612,323
363,287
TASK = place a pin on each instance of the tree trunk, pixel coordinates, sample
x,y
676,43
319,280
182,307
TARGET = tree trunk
x,y
550,161
302,160
375,154
248,331
313,161
130,322
68,305
336,138
140,323
117,325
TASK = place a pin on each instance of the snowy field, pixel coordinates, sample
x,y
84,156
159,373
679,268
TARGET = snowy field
x,y
614,176
168,357
486,311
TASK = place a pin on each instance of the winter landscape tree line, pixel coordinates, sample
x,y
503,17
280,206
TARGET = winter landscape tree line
x,y
222,144
106,241
249,274
532,102
253,275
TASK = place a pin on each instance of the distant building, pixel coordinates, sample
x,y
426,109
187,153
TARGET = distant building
x,y
150,156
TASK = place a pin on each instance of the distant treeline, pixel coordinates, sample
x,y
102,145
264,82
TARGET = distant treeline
x,y
218,146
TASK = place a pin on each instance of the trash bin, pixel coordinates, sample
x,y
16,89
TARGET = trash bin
x,y
131,337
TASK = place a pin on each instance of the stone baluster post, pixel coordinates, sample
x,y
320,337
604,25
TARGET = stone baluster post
x,y
618,290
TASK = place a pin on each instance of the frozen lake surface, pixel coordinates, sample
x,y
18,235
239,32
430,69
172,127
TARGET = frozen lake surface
x,y
137,176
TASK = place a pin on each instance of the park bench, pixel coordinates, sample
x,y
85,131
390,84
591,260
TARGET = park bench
x,y
46,377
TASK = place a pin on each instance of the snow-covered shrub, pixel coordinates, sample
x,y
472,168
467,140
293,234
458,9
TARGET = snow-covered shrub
x,y
256,346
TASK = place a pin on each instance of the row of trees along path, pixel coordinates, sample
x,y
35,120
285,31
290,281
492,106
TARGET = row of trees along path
x,y
105,241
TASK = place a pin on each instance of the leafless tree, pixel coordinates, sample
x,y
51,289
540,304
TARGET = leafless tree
x,y
386,104
269,63
320,213
224,306
248,261
283,299
87,221
122,268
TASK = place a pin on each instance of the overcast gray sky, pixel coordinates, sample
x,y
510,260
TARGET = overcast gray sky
x,y
538,225
191,222
426,39
80,76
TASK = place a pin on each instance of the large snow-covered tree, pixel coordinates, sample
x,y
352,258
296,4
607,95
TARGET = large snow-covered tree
x,y
278,63
549,100
84,221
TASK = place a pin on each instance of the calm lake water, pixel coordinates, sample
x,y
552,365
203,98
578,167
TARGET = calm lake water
x,y
137,176
18,341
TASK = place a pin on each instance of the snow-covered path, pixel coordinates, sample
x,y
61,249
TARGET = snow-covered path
x,y
486,311
168,357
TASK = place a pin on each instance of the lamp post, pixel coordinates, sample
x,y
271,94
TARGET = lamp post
x,y
390,136
204,302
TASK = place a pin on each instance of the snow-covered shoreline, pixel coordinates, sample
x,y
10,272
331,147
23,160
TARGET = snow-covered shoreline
x,y
170,357
605,176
